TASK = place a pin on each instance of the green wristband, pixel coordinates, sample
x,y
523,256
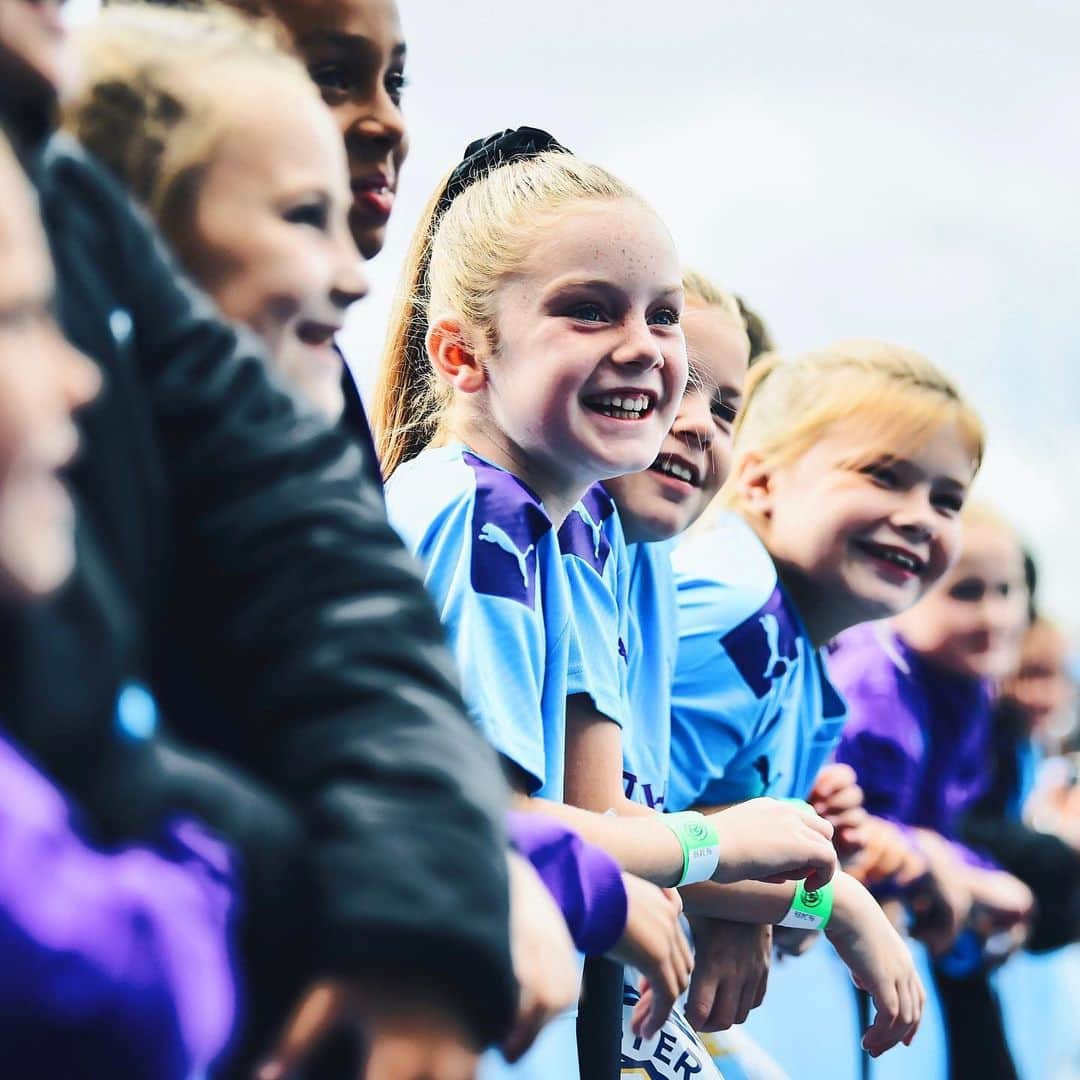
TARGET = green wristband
x,y
700,845
810,908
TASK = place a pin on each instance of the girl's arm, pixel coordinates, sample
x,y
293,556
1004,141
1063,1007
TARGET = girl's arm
x,y
872,950
594,762
759,840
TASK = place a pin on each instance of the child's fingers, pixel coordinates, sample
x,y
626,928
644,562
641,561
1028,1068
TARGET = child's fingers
x,y
831,779
661,1002
701,1001
641,1013
880,1034
816,822
675,899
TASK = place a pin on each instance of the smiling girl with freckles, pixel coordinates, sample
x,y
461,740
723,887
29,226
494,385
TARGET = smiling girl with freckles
x,y
536,351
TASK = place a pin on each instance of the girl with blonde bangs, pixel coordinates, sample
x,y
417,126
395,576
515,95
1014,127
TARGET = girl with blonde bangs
x,y
536,350
896,394
849,471
249,187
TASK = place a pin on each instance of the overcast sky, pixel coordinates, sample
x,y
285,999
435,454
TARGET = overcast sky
x,y
860,168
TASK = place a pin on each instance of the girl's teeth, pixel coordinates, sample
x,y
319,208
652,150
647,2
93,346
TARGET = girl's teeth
x,y
623,407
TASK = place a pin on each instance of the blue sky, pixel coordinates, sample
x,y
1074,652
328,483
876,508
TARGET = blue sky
x,y
908,172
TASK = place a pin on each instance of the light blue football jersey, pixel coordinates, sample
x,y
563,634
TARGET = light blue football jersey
x,y
595,561
493,566
652,643
753,711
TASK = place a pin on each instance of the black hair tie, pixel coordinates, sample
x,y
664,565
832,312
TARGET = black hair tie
x,y
483,156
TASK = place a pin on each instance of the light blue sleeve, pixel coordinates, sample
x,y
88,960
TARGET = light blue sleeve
x,y
714,713
598,571
499,641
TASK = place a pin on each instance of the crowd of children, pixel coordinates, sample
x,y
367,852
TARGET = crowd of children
x,y
520,733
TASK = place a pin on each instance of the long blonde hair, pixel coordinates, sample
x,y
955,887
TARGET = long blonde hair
x,y
150,102
898,396
454,266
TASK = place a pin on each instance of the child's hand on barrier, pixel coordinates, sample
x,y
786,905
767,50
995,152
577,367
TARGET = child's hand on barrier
x,y
731,971
879,962
655,944
774,840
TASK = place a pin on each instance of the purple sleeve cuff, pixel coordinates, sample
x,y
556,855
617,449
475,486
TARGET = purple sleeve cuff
x,y
586,882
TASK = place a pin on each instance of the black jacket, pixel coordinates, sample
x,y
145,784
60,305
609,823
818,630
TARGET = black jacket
x,y
235,556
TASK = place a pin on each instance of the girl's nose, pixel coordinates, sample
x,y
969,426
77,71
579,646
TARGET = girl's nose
x,y
694,420
638,347
350,281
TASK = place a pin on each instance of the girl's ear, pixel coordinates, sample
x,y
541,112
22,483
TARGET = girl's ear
x,y
454,357
754,483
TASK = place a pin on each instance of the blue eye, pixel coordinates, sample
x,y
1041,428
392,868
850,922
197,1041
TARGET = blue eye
x,y
587,313
665,317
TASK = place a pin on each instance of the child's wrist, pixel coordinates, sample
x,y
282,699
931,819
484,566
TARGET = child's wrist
x,y
700,845
810,908
847,893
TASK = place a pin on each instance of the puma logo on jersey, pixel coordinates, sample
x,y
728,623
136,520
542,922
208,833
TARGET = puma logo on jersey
x,y
776,664
582,533
594,528
493,534
765,645
508,515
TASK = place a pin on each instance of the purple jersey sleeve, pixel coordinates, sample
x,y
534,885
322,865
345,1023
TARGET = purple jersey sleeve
x,y
586,882
118,959
916,737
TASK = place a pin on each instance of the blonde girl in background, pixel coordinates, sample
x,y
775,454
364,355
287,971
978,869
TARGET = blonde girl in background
x,y
813,534
250,187
537,350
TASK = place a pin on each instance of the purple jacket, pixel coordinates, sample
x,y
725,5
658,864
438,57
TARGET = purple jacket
x,y
586,882
113,964
918,737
